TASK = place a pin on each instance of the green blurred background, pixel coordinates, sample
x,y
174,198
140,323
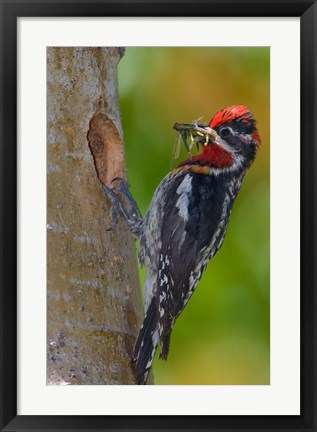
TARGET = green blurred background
x,y
223,335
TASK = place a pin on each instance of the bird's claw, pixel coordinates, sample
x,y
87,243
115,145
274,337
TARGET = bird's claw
x,y
122,186
131,217
121,181
114,210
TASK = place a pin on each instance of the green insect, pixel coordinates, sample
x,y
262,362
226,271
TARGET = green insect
x,y
189,134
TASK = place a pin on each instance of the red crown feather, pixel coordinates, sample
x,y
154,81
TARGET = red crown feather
x,y
230,114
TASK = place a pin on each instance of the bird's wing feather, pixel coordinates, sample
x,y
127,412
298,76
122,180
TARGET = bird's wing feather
x,y
191,215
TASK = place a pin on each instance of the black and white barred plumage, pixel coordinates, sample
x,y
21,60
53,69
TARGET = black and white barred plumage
x,y
182,230
185,226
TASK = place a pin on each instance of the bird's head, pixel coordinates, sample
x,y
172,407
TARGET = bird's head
x,y
229,142
232,139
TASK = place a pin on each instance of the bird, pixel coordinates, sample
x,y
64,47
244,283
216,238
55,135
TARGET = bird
x,y
186,222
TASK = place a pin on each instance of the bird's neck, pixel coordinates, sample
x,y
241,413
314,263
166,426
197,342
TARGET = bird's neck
x,y
215,156
212,156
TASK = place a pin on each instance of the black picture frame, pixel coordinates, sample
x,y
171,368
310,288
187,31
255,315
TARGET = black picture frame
x,y
10,11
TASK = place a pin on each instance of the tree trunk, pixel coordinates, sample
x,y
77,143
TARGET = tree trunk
x,y
94,300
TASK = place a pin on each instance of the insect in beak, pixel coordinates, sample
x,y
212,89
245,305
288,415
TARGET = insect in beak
x,y
210,134
190,134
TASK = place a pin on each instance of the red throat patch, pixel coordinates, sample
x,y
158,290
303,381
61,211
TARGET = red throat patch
x,y
215,156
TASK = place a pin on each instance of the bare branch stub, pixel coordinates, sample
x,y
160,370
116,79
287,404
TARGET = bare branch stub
x,y
106,147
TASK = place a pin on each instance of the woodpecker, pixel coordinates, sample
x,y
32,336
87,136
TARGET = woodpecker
x,y
186,223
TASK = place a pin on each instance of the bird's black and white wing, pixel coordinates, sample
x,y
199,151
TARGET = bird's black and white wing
x,y
192,214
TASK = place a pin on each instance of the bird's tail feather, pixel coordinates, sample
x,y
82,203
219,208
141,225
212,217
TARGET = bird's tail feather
x,y
146,344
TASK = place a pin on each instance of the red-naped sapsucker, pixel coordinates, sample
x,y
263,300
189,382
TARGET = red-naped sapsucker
x,y
186,223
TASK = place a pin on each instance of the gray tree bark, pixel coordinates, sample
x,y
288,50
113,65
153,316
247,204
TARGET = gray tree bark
x,y
93,295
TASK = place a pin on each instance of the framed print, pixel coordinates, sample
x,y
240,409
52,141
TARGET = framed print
x,y
95,94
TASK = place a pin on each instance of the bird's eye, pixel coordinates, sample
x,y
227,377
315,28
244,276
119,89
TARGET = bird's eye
x,y
225,132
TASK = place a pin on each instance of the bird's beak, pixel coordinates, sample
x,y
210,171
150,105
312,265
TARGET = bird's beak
x,y
215,138
199,133
212,135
